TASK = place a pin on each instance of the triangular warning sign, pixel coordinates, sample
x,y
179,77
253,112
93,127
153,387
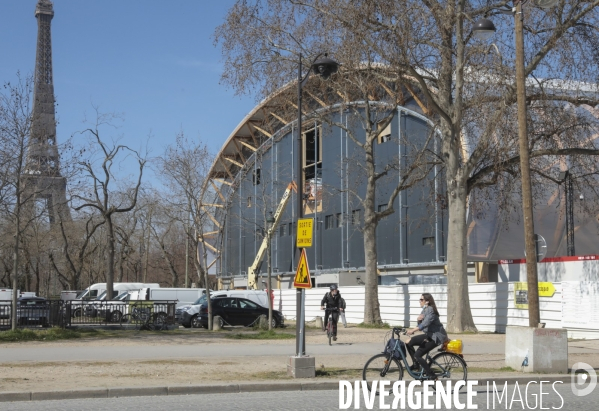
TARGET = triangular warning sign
x,y
302,276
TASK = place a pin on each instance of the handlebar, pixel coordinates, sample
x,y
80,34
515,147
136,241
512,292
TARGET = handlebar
x,y
399,330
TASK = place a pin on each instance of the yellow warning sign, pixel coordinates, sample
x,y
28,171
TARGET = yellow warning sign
x,y
304,232
302,276
546,289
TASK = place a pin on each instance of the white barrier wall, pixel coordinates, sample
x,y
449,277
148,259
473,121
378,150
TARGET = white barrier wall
x,y
492,304
555,269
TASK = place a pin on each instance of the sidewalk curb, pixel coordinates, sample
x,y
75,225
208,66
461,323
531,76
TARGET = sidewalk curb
x,y
117,392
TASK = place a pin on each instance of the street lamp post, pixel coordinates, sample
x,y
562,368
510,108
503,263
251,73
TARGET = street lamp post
x,y
484,29
270,221
324,67
566,178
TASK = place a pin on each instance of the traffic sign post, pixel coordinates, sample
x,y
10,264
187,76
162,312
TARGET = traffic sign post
x,y
302,276
304,232
302,280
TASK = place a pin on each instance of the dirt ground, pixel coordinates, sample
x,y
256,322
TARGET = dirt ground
x,y
46,376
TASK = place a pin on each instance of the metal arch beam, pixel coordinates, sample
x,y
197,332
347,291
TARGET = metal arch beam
x,y
266,133
220,180
343,96
423,107
239,150
254,149
220,194
281,119
207,244
210,216
212,263
237,163
249,126
226,168
319,101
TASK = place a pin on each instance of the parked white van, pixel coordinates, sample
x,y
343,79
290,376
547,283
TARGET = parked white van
x,y
86,302
96,290
183,296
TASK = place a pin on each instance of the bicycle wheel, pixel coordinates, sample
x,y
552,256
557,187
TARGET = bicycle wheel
x,y
125,320
382,367
449,367
159,321
329,332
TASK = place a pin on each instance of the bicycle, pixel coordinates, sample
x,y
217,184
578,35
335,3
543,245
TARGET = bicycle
x,y
390,363
142,318
329,328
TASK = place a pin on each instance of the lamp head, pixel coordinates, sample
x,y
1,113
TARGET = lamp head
x,y
325,66
483,29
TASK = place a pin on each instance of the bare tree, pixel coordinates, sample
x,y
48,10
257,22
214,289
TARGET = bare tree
x,y
77,248
469,92
184,167
101,195
16,196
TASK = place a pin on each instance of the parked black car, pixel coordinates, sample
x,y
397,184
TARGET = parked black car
x,y
238,311
33,311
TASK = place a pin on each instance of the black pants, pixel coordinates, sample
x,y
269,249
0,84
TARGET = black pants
x,y
425,345
334,318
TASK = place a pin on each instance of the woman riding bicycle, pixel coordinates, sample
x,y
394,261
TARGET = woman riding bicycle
x,y
434,333
332,300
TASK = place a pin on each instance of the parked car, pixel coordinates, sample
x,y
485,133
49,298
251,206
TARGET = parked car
x,y
187,315
117,307
33,311
237,311
258,296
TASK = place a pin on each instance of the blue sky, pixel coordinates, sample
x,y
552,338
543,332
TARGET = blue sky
x,y
153,61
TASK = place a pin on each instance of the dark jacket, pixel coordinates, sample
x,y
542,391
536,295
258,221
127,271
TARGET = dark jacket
x,y
331,301
432,327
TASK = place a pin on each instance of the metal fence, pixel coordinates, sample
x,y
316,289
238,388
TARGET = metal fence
x,y
153,315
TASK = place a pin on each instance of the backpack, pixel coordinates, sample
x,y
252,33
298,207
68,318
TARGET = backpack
x,y
391,348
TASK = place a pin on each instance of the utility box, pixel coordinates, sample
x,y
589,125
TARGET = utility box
x,y
536,350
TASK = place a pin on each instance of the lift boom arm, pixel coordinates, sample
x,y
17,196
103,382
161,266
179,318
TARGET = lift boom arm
x,y
255,267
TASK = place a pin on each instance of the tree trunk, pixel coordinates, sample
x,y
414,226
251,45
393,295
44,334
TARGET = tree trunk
x,y
37,279
15,269
372,311
459,316
110,259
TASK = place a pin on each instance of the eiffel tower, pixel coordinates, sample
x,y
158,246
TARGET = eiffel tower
x,y
42,178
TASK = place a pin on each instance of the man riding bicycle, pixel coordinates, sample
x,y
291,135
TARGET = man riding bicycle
x,y
332,300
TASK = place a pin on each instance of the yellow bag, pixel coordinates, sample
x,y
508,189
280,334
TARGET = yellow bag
x,y
454,346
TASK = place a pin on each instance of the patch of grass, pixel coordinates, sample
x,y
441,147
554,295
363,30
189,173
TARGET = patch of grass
x,y
53,334
262,335
487,369
506,369
338,372
270,375
382,325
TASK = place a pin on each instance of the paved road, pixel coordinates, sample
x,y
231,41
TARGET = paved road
x,y
94,352
293,400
